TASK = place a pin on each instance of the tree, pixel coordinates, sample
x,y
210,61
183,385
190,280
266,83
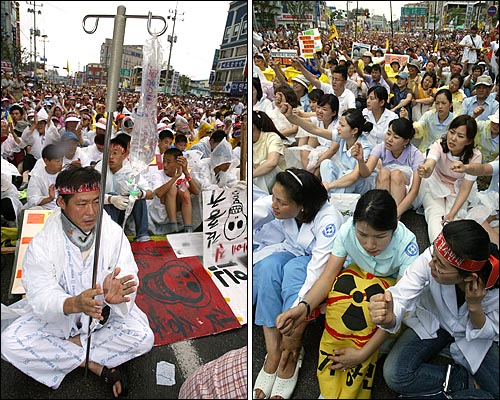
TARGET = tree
x,y
17,56
337,14
264,12
184,83
298,8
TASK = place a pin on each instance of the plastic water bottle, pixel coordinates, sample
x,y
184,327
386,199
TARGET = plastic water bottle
x,y
132,197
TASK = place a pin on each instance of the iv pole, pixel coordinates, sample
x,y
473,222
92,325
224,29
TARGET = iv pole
x,y
111,98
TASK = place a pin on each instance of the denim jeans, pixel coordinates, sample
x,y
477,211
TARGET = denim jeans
x,y
139,213
408,369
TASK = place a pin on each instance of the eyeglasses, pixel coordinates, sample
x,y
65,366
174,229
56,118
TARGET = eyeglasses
x,y
439,264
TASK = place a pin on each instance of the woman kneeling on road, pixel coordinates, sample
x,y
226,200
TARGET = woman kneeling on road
x,y
283,272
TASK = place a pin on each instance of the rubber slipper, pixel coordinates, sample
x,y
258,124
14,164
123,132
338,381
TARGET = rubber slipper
x,y
284,387
113,375
264,382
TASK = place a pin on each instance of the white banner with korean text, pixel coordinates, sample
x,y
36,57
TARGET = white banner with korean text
x,y
225,245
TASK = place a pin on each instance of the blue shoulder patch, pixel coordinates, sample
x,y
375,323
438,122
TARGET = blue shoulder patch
x,y
329,230
412,249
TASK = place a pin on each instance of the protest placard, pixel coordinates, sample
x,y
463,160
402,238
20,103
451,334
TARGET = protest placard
x,y
403,59
358,49
225,245
310,43
283,57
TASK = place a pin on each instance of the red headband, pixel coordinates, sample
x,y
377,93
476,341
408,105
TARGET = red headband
x,y
466,264
118,147
87,187
449,255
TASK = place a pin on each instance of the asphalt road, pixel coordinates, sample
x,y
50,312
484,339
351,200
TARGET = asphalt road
x,y
307,385
141,372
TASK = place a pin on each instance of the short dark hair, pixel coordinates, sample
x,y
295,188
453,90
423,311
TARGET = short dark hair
x,y
341,69
166,133
468,239
315,94
218,136
181,138
73,176
123,136
402,127
53,151
173,151
120,142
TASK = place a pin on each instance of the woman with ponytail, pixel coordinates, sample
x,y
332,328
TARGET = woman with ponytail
x,y
450,296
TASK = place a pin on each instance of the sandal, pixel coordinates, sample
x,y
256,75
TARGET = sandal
x,y
264,382
113,375
284,387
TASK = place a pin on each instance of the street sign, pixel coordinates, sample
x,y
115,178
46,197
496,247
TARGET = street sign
x,y
492,10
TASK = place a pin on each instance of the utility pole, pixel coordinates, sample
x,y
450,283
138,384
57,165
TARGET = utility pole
x,y
172,39
44,58
35,31
347,17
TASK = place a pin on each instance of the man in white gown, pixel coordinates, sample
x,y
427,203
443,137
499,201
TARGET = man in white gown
x,y
50,339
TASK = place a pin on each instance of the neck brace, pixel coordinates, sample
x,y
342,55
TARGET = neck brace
x,y
82,240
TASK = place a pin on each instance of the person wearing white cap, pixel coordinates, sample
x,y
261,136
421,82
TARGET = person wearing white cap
x,y
482,105
38,135
487,138
72,123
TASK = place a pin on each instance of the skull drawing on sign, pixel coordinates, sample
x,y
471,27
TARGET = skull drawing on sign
x,y
236,222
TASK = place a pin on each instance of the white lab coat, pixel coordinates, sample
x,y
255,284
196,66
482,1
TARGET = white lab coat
x,y
53,271
433,305
315,238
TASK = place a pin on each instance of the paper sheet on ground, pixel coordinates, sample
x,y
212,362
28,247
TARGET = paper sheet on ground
x,y
165,373
187,244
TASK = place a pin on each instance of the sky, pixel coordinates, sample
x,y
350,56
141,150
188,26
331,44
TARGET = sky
x,y
199,29
375,7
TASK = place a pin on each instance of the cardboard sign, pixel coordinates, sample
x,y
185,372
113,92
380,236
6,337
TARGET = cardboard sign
x,y
358,49
310,43
283,57
403,59
225,244
33,222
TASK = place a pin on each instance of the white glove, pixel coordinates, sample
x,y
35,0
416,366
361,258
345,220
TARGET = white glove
x,y
119,202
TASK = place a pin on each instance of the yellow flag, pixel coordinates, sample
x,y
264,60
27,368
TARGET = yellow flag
x,y
67,66
386,44
436,46
333,32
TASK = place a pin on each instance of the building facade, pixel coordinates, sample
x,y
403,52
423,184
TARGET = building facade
x,y
229,65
